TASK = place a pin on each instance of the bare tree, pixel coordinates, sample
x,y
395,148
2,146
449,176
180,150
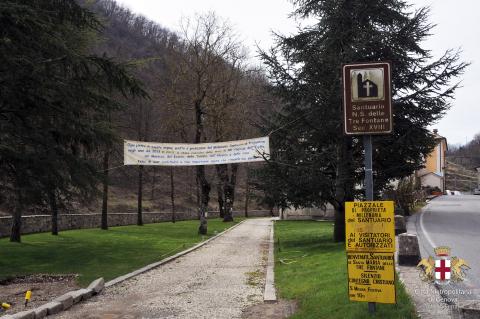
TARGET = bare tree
x,y
201,91
209,46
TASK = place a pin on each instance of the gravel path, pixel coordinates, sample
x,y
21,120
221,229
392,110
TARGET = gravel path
x,y
219,280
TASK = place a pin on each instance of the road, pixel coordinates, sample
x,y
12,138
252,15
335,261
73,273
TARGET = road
x,y
453,221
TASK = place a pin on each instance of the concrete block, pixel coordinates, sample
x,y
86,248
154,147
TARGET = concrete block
x,y
53,307
29,314
97,285
400,225
76,295
469,309
66,300
86,293
40,312
270,294
81,294
408,250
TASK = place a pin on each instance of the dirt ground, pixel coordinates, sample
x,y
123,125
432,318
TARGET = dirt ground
x,y
44,288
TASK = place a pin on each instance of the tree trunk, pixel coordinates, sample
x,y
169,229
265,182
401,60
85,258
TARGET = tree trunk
x,y
344,187
221,202
222,180
339,224
172,194
204,199
229,192
202,183
140,195
104,222
247,191
53,206
197,192
154,180
15,234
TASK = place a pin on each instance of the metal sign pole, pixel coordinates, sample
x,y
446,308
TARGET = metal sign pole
x,y
367,145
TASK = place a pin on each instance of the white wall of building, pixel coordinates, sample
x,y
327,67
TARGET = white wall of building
x,y
432,180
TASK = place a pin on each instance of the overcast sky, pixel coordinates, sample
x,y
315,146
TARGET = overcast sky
x,y
254,20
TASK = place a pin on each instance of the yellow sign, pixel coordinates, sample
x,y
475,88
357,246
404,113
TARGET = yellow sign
x,y
370,226
371,277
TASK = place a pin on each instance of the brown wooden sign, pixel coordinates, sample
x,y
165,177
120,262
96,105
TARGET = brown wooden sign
x,y
367,98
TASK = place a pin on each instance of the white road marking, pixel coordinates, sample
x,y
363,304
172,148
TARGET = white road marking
x,y
432,243
424,231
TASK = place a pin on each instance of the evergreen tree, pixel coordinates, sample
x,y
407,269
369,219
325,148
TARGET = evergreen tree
x,y
312,160
54,102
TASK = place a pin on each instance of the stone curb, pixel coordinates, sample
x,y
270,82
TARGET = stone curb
x,y
53,307
66,301
28,314
408,250
469,309
168,259
270,295
79,295
40,312
60,303
97,286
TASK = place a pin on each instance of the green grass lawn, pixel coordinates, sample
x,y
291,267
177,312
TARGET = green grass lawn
x,y
94,253
314,272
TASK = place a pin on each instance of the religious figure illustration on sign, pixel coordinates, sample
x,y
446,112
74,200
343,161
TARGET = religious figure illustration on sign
x,y
443,269
367,84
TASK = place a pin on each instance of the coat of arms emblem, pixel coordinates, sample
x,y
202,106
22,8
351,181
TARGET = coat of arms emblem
x,y
443,268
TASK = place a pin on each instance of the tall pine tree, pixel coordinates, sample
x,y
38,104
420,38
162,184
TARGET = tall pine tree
x,y
313,162
54,102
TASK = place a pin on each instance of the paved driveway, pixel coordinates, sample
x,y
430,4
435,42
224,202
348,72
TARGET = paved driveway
x,y
219,280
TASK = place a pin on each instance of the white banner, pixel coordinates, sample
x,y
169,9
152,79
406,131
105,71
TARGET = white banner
x,y
173,154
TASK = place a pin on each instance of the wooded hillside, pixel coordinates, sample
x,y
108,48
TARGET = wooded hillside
x,y
173,68
467,155
199,77
462,163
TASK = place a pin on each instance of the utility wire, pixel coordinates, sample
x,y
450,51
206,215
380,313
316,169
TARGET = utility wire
x,y
291,122
112,168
